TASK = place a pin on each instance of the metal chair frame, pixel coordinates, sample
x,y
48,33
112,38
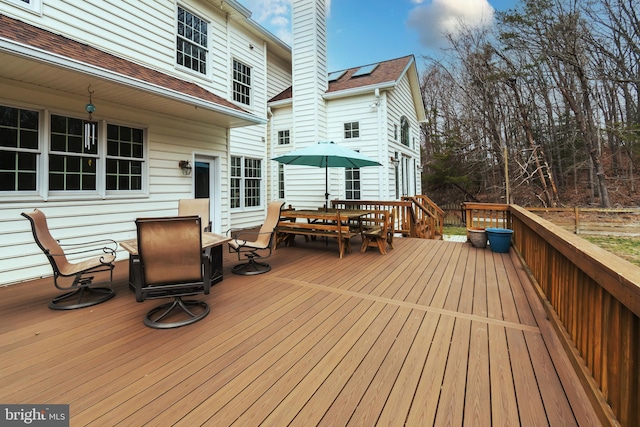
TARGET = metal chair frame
x,y
264,240
152,285
80,293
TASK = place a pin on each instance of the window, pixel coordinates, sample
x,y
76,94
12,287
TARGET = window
x,y
73,163
404,131
352,130
241,83
283,137
124,158
280,181
246,182
236,180
33,5
352,183
19,149
191,42
395,132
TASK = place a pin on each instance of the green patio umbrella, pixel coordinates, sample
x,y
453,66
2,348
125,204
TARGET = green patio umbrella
x,y
326,155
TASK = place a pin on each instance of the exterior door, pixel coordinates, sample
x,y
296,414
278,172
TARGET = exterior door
x,y
206,185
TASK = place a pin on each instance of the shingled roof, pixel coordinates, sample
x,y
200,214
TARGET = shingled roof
x,y
385,72
29,35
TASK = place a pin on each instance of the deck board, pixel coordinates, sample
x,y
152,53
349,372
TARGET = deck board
x,y
434,332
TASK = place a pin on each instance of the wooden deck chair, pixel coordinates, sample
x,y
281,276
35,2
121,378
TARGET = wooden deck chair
x,y
392,227
260,247
93,256
196,207
375,231
173,265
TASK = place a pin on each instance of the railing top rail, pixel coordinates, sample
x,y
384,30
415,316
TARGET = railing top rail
x,y
486,206
373,202
619,277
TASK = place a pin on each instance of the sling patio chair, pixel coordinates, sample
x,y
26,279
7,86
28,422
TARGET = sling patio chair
x,y
200,207
172,265
260,247
196,207
93,257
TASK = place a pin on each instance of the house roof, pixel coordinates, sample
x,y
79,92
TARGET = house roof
x,y
39,56
385,72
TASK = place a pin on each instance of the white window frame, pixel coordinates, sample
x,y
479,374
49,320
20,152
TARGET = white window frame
x,y
351,130
44,151
238,192
350,192
281,181
284,137
196,45
405,132
242,97
30,5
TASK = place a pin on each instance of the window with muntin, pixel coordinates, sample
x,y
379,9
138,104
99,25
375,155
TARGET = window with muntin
x,y
191,41
352,130
241,83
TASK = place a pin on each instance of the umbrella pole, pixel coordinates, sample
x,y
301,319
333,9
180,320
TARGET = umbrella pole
x,y
326,193
326,188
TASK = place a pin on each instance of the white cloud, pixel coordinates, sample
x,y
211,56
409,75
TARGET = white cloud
x,y
434,20
275,16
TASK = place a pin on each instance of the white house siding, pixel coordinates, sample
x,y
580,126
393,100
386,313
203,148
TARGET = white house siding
x,y
280,120
400,102
141,31
310,71
249,141
91,216
278,74
359,109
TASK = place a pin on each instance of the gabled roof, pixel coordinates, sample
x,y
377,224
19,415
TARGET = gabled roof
x,y
386,72
41,51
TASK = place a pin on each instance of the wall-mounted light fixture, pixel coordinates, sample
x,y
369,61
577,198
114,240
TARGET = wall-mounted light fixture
x,y
395,161
185,167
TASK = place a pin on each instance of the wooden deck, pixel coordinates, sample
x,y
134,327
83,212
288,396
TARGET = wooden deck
x,y
434,333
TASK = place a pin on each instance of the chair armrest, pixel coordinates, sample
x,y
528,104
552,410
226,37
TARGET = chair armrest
x,y
107,246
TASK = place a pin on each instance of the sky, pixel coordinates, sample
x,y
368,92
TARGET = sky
x,y
362,32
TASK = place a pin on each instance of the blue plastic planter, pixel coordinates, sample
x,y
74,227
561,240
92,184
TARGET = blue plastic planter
x,y
499,239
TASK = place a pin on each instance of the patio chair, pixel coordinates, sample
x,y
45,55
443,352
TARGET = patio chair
x,y
93,256
377,231
196,207
173,266
262,245
200,207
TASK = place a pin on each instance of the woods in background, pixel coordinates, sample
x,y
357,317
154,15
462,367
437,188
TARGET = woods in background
x,y
543,111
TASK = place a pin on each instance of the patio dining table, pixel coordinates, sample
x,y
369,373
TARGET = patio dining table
x,y
209,240
350,224
326,214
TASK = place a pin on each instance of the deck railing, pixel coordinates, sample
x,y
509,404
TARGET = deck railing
x,y
405,220
429,215
486,215
593,299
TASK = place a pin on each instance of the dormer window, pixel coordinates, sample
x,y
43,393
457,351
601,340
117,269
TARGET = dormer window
x,y
192,41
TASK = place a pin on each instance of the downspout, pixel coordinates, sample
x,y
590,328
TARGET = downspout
x,y
383,147
274,181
